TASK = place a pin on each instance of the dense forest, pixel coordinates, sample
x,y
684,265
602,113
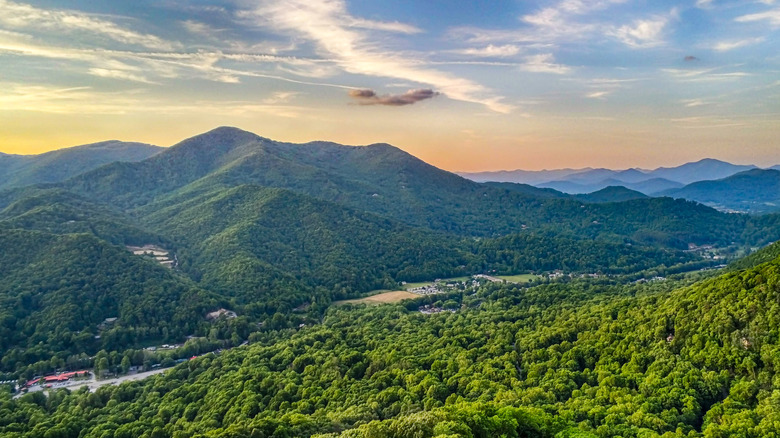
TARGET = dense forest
x,y
585,358
636,332
264,228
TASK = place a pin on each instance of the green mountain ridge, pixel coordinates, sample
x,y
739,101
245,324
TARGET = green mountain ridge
x,y
611,194
265,232
264,227
383,180
59,165
753,191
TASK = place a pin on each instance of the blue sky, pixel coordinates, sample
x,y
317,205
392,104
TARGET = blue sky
x,y
464,85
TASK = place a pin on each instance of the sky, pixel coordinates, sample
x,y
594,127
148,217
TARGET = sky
x,y
463,85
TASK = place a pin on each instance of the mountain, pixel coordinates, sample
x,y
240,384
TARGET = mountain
x,y
531,191
630,176
531,177
383,180
653,186
752,191
596,176
285,244
265,227
570,187
611,194
706,169
59,165
649,182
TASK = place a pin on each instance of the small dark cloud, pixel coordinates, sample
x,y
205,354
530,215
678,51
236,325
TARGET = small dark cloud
x,y
690,58
369,97
362,94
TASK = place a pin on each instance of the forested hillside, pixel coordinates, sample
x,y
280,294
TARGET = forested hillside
x,y
57,290
276,231
754,191
579,359
59,165
273,247
387,181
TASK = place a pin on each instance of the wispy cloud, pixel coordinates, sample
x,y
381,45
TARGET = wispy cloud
x,y
491,51
119,74
24,16
369,97
575,21
598,95
772,16
704,75
642,33
692,103
393,26
51,99
543,63
200,29
337,35
724,46
152,67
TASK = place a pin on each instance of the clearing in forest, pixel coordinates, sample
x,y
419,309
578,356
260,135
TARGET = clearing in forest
x,y
522,278
382,298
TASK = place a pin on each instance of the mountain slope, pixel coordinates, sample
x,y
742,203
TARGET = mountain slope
x,y
59,165
60,212
577,181
611,194
653,186
519,176
581,359
531,191
706,169
753,191
379,179
275,246
58,289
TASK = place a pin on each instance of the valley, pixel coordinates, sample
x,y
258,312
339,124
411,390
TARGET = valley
x,y
376,295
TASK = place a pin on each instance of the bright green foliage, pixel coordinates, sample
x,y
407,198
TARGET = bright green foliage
x,y
566,360
58,289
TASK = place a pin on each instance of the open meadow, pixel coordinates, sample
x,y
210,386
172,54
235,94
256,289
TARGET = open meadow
x,y
381,298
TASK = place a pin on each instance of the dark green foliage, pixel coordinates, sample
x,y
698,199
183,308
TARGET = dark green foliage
x,y
60,212
59,165
566,360
611,194
531,191
529,252
275,247
752,191
58,289
387,181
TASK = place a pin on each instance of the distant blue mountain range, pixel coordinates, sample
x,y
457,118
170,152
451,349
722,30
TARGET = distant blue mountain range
x,y
726,186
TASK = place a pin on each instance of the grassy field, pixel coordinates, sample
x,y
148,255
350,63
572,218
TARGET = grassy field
x,y
382,298
522,278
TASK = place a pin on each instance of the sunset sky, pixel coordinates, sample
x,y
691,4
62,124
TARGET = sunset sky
x,y
464,85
